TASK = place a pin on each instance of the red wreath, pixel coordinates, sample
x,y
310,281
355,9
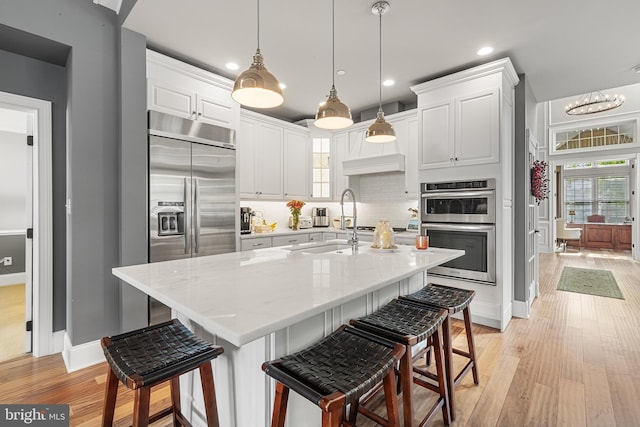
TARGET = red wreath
x,y
539,181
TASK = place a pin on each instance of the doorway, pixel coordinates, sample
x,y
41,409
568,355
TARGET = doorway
x,y
597,196
15,199
37,255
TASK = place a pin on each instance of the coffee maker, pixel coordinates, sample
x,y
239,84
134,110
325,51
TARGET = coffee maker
x,y
320,217
245,220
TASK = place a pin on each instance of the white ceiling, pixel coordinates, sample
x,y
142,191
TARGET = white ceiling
x,y
565,47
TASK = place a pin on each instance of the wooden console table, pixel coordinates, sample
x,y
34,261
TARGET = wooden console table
x,y
603,236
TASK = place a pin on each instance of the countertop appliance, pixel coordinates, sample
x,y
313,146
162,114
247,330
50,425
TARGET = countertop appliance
x,y
462,215
245,220
192,206
320,217
304,222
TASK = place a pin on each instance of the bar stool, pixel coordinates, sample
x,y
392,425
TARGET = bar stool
x,y
410,323
149,356
453,300
334,373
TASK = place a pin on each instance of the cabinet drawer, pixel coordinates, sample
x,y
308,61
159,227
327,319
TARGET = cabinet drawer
x,y
290,239
316,237
256,243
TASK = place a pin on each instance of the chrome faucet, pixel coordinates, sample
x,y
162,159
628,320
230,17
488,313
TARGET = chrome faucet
x,y
343,224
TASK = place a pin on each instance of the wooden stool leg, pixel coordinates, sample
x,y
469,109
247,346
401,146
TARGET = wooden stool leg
x,y
209,393
406,380
390,399
471,344
280,405
110,393
141,407
442,377
332,418
448,364
175,399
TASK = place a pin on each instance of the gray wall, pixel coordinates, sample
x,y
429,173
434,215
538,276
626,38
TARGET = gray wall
x,y
12,246
93,154
133,172
37,79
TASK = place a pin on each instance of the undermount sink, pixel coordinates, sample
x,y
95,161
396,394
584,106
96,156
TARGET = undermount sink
x,y
321,248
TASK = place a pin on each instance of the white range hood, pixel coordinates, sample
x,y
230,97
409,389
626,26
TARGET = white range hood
x,y
369,158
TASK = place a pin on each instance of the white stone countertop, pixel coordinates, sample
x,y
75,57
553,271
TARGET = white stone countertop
x,y
285,231
242,296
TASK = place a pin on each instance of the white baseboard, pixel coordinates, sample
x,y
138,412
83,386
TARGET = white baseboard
x,y
58,341
507,313
12,279
81,356
521,309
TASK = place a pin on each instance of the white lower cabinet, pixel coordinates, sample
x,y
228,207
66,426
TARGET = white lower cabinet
x,y
290,239
256,243
316,237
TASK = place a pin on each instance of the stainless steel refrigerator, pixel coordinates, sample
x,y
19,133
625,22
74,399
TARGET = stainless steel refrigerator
x,y
192,192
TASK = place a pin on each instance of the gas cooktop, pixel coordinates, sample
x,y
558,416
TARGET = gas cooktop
x,y
372,228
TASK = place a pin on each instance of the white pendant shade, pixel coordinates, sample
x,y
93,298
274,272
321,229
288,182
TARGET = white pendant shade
x,y
257,87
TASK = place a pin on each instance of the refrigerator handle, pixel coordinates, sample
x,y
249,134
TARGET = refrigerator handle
x,y
196,214
187,216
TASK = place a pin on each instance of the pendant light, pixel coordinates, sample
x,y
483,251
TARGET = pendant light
x,y
256,87
333,114
380,130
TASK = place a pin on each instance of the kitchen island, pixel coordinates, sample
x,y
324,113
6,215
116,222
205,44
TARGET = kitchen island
x,y
266,303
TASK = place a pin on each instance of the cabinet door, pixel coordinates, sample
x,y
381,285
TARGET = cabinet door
x,y
339,152
170,99
268,149
436,149
215,109
297,157
290,239
246,154
477,132
411,178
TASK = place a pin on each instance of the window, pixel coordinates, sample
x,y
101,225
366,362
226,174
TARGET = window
x,y
604,195
321,169
597,137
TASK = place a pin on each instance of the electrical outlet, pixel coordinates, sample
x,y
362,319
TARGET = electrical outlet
x,y
8,261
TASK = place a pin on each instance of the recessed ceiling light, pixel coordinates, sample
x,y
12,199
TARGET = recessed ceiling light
x,y
388,82
636,69
341,72
232,66
283,86
485,50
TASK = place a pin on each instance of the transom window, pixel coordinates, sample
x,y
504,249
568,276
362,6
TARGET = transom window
x,y
595,137
589,191
321,168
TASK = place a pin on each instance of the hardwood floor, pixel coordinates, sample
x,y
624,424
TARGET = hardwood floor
x,y
12,325
575,362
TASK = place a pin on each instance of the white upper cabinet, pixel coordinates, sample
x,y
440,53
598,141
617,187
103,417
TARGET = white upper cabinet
x,y
183,90
273,159
459,116
339,152
297,161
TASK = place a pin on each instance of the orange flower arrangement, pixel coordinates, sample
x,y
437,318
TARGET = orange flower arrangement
x,y
295,206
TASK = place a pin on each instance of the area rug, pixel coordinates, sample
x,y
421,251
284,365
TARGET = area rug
x,y
588,281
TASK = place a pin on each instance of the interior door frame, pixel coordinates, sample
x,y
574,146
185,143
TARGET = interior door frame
x,y
42,242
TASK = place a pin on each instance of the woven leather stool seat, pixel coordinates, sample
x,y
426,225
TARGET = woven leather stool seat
x,y
148,356
410,323
335,372
453,300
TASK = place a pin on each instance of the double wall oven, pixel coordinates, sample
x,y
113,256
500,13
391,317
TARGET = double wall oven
x,y
462,215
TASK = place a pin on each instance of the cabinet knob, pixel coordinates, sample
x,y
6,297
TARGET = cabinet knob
x,y
456,159
199,114
286,194
193,113
451,159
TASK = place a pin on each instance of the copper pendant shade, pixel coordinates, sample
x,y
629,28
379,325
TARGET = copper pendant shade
x,y
380,130
257,87
333,114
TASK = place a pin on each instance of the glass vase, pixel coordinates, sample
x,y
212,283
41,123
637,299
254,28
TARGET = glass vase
x,y
295,222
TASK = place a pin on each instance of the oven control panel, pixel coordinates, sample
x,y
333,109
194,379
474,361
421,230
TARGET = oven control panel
x,y
478,184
